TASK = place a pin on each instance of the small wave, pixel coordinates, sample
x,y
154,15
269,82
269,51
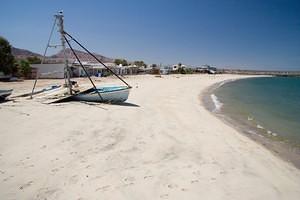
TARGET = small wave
x,y
251,132
271,133
259,126
216,101
254,133
222,83
225,81
274,134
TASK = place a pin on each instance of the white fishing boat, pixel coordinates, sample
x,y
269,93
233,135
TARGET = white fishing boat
x,y
4,94
111,94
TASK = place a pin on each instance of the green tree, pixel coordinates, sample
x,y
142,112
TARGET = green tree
x,y
25,68
15,69
140,63
117,61
125,63
121,61
181,70
6,57
154,66
34,60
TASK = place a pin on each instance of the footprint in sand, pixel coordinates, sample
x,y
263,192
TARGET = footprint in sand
x,y
46,193
146,177
222,172
22,187
198,172
7,178
55,170
194,181
77,132
141,142
172,186
213,179
74,179
103,188
129,179
29,166
164,196
128,184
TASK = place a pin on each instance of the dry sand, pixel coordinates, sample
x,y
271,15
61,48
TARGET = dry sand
x,y
163,144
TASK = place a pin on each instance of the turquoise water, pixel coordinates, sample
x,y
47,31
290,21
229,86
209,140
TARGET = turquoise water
x,y
270,104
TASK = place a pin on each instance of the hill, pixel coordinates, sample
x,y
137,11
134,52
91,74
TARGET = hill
x,y
23,53
83,56
59,57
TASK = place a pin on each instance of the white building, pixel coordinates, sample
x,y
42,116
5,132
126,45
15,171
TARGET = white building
x,y
93,69
50,70
176,67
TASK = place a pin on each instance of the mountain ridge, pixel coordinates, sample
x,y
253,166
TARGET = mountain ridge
x,y
59,57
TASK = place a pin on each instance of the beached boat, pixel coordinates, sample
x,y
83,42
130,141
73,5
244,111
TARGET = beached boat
x,y
113,94
4,94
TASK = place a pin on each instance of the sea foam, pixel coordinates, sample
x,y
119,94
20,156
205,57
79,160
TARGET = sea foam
x,y
259,126
224,82
216,101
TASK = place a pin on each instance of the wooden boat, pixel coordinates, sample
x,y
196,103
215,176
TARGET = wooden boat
x,y
5,93
112,94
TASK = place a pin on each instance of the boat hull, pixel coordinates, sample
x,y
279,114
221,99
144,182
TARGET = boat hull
x,y
4,94
117,94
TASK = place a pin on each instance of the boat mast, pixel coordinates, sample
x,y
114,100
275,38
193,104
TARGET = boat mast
x,y
60,19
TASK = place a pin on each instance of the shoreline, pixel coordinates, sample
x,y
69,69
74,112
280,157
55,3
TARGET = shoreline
x,y
277,147
162,144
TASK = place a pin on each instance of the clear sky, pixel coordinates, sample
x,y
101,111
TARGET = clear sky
x,y
252,34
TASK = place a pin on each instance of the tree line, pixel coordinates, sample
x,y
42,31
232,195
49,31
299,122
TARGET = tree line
x,y
9,65
124,62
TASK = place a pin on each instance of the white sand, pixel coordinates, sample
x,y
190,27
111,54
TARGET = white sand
x,y
170,147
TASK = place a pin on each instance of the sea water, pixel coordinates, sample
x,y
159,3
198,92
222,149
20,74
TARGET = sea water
x,y
270,105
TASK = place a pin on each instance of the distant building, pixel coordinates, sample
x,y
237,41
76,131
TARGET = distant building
x,y
93,69
97,69
206,69
49,70
176,67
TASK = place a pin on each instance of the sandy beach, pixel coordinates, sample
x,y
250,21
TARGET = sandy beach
x,y
161,144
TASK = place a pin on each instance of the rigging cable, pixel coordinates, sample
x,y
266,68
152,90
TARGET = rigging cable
x,y
83,68
97,59
43,60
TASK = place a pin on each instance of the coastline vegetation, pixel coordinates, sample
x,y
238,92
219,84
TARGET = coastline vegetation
x,y
10,66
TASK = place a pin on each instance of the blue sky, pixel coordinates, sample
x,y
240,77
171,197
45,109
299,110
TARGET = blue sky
x,y
252,34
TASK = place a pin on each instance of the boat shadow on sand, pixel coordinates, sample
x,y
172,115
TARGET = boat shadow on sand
x,y
116,104
126,104
3,101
